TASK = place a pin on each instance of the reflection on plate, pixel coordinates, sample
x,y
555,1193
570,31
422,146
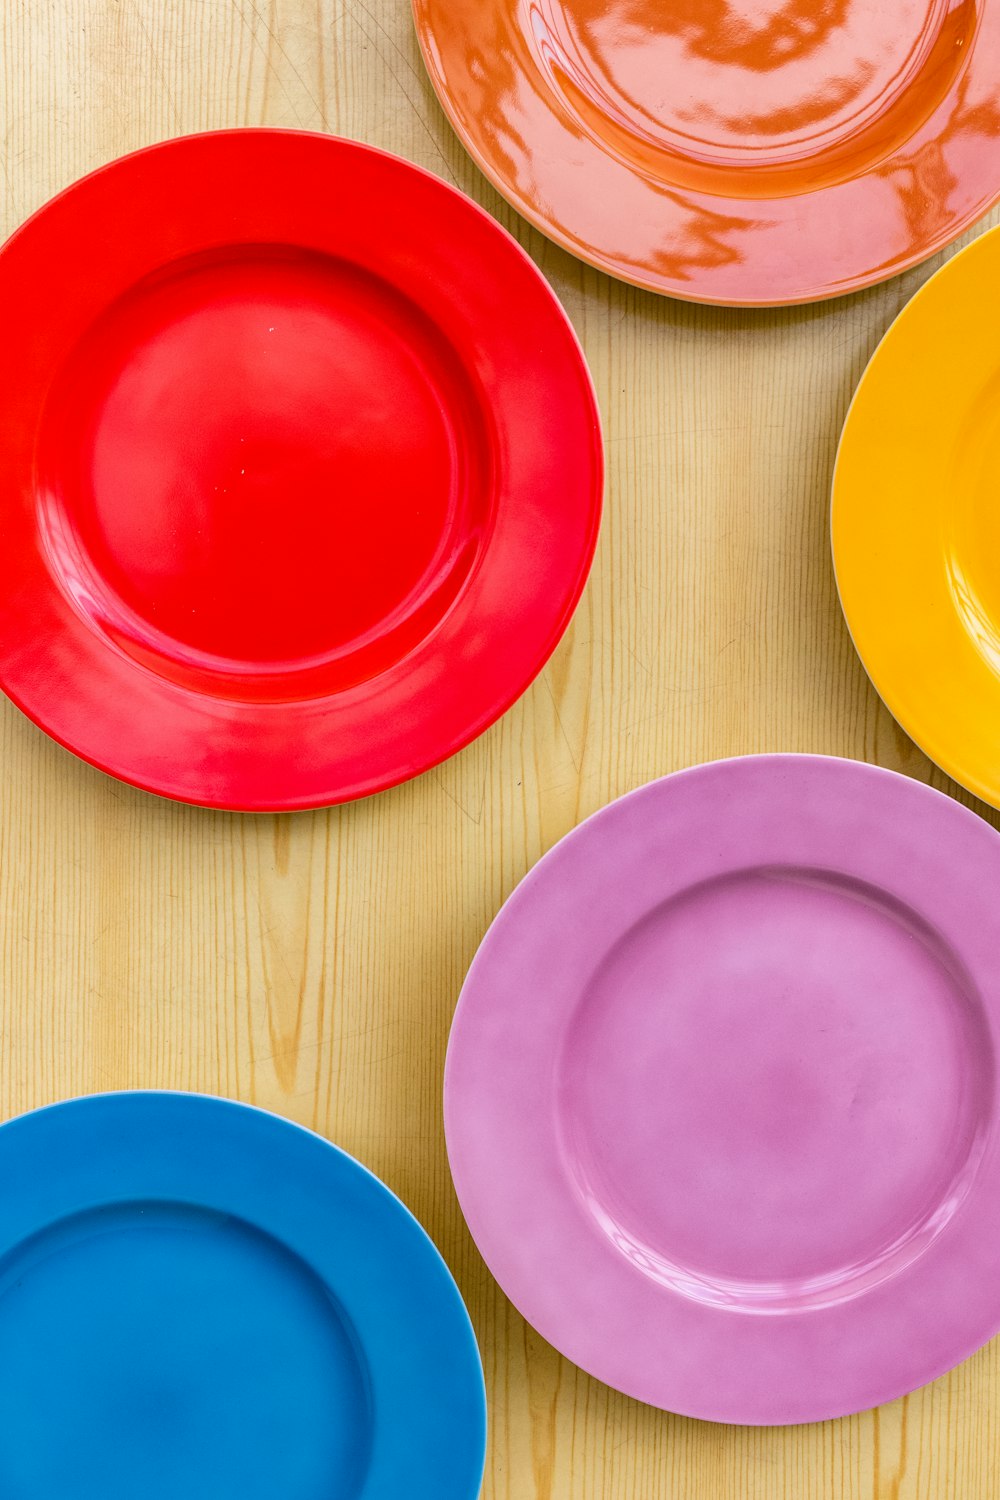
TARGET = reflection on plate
x,y
916,523
749,153
720,1092
300,485
198,1298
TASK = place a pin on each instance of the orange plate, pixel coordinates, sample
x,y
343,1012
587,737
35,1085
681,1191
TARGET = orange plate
x,y
744,152
916,523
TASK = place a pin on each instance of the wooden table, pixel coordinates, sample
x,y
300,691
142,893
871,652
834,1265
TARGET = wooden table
x,y
311,963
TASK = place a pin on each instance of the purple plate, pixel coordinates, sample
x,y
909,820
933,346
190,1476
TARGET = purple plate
x,y
721,1099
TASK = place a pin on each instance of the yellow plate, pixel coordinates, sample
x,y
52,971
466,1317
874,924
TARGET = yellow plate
x,y
916,518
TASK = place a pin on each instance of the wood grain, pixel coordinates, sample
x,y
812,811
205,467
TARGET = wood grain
x,y
311,963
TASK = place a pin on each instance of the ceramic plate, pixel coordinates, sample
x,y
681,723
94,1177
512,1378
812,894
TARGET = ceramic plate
x,y
201,1299
300,474
729,151
916,524
720,1097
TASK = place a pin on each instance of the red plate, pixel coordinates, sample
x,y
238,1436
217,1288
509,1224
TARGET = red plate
x,y
301,469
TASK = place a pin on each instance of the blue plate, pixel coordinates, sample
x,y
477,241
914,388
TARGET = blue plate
x,y
201,1301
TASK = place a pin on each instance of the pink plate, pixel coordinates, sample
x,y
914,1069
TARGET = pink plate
x,y
720,1095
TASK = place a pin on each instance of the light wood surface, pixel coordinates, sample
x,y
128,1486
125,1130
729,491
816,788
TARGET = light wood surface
x,y
311,963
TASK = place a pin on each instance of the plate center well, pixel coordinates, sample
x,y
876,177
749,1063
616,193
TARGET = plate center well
x,y
261,460
775,1089
803,92
972,524
163,1350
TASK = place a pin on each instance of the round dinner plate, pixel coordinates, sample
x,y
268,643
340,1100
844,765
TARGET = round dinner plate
x,y
916,519
301,469
720,1098
748,152
201,1299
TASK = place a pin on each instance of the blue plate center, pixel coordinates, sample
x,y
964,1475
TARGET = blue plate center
x,y
164,1350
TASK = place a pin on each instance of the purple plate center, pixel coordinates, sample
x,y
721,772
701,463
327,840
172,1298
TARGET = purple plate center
x,y
774,1090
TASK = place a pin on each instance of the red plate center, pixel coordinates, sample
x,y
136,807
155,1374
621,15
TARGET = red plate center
x,y
260,462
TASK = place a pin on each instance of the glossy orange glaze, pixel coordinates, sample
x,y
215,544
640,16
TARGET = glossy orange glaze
x,y
730,150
